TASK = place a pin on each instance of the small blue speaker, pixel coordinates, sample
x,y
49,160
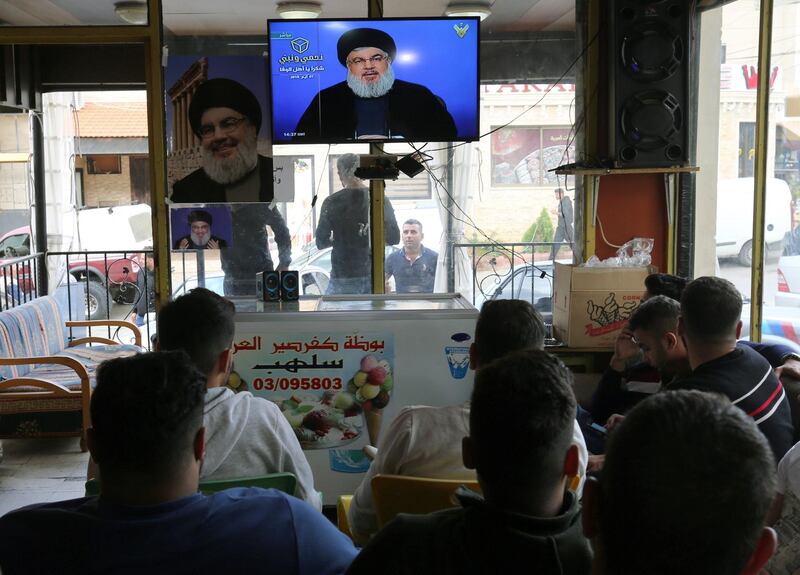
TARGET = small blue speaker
x,y
290,285
268,286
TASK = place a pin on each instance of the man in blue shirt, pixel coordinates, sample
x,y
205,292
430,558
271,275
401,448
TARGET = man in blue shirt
x,y
413,267
148,440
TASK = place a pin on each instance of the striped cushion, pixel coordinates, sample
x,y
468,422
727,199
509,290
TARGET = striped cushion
x,y
90,357
33,329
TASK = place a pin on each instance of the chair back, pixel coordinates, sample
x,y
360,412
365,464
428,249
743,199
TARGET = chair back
x,y
282,481
393,494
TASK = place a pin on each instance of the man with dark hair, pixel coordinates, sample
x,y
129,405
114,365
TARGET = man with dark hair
x,y
709,326
344,226
200,237
426,441
414,266
657,334
523,466
246,435
371,103
226,117
685,489
148,439
664,284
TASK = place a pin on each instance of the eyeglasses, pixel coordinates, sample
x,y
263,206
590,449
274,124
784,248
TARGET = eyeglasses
x,y
376,59
226,126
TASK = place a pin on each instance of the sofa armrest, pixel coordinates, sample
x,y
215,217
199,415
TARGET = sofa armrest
x,y
137,334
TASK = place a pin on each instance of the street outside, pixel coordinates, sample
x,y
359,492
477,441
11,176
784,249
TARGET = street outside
x,y
740,276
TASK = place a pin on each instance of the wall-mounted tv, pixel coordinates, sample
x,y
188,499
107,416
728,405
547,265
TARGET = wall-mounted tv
x,y
393,79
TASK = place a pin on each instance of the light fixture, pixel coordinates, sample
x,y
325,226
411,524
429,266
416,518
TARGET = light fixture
x,y
132,12
482,11
299,10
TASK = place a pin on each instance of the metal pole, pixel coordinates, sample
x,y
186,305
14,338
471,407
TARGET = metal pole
x,y
451,265
377,190
40,203
762,148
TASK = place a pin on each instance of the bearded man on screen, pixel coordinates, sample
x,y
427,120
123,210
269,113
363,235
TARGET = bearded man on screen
x,y
372,103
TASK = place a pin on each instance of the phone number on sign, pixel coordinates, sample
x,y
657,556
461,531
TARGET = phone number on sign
x,y
305,383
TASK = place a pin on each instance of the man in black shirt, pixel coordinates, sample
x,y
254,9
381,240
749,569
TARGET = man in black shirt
x,y
709,326
344,225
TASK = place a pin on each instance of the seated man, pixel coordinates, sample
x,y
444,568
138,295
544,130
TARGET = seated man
x,y
148,439
247,435
709,326
520,442
614,393
686,486
426,441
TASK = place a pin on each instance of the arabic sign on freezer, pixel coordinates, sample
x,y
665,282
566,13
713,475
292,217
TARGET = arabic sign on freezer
x,y
323,382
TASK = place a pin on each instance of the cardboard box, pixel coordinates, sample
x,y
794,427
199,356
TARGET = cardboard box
x,y
592,305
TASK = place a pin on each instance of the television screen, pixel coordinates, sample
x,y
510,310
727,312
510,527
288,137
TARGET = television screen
x,y
336,81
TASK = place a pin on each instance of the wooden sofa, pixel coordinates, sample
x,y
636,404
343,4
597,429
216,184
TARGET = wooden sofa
x,y
46,380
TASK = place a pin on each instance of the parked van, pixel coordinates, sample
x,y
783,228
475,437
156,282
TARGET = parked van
x,y
735,217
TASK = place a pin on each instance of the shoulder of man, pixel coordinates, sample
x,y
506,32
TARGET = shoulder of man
x,y
401,87
431,253
197,187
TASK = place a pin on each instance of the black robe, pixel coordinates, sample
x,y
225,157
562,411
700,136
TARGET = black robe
x,y
415,113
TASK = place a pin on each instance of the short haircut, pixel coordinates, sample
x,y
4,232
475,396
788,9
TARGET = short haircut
x,y
710,310
506,325
347,164
145,412
200,216
665,284
686,485
657,315
413,222
521,419
199,323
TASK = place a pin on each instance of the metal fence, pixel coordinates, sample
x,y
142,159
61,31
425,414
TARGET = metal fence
x,y
510,271
18,277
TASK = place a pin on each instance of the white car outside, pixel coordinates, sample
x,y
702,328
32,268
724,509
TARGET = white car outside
x,y
735,217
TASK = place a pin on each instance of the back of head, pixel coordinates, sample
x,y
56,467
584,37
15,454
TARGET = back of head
x,y
507,325
347,164
521,420
657,315
686,484
146,410
199,323
710,310
665,284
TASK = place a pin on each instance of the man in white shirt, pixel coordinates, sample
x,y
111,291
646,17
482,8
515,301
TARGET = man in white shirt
x,y
245,435
425,441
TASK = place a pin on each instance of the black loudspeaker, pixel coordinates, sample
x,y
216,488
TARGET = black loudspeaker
x,y
268,286
649,74
290,285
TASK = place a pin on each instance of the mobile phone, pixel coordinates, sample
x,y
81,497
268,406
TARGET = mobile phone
x,y
599,428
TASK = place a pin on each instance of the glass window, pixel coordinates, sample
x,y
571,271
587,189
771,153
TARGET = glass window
x,y
74,13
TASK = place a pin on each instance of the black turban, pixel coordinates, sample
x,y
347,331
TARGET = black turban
x,y
200,216
364,38
224,93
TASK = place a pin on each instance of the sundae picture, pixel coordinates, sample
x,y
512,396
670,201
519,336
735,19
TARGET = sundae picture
x,y
337,417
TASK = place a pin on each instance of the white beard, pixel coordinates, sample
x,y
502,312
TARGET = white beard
x,y
229,170
371,89
200,239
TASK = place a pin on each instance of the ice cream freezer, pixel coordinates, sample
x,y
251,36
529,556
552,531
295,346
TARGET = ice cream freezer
x,y
341,368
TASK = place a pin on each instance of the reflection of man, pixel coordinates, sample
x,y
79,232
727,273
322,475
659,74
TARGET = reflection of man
x,y
226,117
413,267
344,224
564,231
200,237
371,103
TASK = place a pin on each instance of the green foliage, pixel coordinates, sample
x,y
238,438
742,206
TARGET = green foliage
x,y
540,231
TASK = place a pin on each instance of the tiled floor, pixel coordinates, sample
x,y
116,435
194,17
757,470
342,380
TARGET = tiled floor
x,y
37,470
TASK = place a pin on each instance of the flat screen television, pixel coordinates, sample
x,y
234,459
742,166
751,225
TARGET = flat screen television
x,y
392,79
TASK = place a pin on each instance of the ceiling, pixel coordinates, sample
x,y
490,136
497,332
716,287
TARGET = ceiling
x,y
246,17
